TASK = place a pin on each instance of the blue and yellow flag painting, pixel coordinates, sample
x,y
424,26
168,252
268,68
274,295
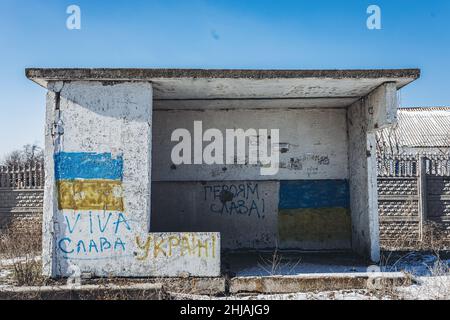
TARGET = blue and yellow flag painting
x,y
314,210
89,181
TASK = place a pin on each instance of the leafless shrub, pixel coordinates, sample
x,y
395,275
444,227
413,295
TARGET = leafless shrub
x,y
441,280
19,250
270,265
276,263
435,237
105,292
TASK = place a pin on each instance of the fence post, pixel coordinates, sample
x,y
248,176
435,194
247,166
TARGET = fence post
x,y
422,182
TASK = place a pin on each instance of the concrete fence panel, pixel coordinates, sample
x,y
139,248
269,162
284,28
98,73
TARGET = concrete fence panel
x,y
21,196
414,191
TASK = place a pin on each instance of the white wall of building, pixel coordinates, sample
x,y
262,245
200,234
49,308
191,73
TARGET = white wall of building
x,y
109,124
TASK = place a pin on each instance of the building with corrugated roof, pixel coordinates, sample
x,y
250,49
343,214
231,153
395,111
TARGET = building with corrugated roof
x,y
419,129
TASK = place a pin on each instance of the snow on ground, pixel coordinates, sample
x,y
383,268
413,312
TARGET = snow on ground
x,y
301,268
417,264
5,273
244,264
7,265
428,288
431,273
11,262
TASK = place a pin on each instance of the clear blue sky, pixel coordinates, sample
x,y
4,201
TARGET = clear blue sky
x,y
215,34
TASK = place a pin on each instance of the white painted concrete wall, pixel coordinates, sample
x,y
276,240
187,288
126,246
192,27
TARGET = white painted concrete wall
x,y
249,220
317,141
183,196
94,117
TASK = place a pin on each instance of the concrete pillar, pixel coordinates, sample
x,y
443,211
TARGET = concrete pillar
x,y
423,194
364,117
382,107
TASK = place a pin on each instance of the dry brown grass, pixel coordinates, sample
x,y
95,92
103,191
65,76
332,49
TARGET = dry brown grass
x,y
19,251
434,238
104,292
434,287
435,242
276,264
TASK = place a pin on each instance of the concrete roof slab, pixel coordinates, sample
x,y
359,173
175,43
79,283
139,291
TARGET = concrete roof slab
x,y
146,74
174,88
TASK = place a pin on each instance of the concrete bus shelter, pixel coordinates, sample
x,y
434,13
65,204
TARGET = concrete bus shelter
x,y
116,204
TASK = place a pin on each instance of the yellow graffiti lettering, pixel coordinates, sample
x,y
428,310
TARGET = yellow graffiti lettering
x,y
175,245
145,247
158,248
185,246
201,246
173,242
214,246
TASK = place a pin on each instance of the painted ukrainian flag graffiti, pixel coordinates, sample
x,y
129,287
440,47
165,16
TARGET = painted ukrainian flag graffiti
x,y
314,210
89,181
